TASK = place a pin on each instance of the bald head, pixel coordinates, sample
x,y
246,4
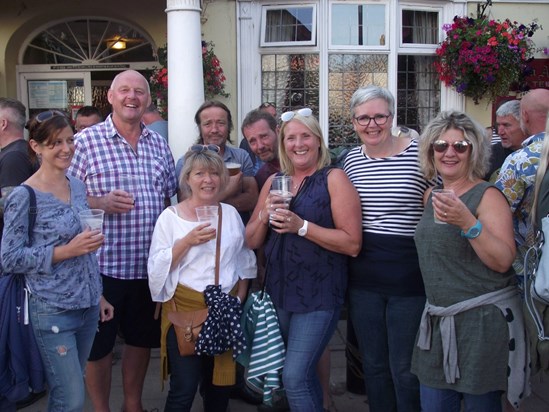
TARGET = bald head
x,y
534,108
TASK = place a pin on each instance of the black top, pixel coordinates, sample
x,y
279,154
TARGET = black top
x,y
15,167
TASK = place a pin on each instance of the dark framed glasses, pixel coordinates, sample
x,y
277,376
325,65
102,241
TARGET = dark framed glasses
x,y
287,116
48,114
379,119
204,147
461,146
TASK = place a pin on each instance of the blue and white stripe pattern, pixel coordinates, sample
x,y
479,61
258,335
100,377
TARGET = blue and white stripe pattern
x,y
265,355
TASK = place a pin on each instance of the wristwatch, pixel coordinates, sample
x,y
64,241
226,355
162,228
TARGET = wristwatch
x,y
303,229
473,232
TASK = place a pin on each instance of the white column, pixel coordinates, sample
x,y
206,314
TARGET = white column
x,y
185,82
249,60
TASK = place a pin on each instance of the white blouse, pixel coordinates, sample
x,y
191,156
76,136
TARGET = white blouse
x,y
196,270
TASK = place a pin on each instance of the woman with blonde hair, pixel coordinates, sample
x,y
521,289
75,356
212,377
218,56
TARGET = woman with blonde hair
x,y
307,246
471,345
182,264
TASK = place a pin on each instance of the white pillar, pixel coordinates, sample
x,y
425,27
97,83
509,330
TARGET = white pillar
x,y
249,61
185,81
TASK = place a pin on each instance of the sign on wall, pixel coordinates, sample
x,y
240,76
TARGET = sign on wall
x,y
47,94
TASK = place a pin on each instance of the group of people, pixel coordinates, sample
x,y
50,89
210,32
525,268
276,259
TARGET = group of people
x,y
427,277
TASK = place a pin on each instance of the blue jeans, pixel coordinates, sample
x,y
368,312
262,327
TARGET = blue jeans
x,y
386,328
65,338
186,373
447,400
306,335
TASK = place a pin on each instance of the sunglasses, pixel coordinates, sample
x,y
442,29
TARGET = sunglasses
x,y
379,119
203,147
461,146
48,114
287,116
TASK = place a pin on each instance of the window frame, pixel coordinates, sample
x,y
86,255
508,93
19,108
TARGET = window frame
x,y
341,47
421,48
263,24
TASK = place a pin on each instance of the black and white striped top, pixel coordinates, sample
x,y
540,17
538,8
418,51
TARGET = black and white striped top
x,y
391,190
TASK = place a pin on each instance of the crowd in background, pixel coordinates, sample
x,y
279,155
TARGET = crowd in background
x,y
422,239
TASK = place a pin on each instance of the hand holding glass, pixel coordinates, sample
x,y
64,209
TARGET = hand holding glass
x,y
92,219
280,194
129,183
207,214
440,192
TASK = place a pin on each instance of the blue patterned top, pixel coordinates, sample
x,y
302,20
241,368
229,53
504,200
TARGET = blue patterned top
x,y
516,180
101,156
69,284
301,275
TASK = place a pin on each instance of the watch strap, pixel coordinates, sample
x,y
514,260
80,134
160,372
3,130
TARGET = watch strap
x,y
473,232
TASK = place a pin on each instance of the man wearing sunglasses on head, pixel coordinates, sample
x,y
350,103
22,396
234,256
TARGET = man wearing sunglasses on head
x,y
215,123
104,153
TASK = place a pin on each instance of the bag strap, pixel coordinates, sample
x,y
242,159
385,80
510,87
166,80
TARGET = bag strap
x,y
217,254
218,243
33,211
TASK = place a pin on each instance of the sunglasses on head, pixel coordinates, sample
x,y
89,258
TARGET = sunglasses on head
x,y
204,147
48,114
287,116
461,146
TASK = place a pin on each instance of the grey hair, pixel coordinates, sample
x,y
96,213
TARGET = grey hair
x,y
365,94
14,111
472,131
510,108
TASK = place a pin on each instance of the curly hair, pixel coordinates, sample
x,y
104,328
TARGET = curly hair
x,y
472,131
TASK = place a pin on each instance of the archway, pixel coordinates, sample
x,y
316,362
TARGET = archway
x,y
70,63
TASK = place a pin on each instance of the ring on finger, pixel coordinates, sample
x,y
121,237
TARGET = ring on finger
x,y
445,214
289,219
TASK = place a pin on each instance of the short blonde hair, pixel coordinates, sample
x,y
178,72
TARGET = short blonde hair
x,y
206,159
311,123
479,160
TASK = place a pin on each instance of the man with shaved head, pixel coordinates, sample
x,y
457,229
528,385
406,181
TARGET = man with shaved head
x,y
122,145
518,173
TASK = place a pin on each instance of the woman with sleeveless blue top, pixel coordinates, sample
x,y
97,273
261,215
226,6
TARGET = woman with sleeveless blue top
x,y
307,248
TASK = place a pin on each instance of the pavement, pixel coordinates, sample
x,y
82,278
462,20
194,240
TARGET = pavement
x,y
342,399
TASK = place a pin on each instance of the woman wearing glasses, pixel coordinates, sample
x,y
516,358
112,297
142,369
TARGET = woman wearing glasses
x,y
386,295
59,262
306,247
471,344
182,263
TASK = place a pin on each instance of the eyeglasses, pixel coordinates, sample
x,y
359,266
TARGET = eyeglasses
x,y
287,116
48,114
461,146
379,119
204,147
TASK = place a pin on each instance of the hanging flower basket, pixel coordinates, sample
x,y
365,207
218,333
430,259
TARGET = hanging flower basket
x,y
483,58
214,78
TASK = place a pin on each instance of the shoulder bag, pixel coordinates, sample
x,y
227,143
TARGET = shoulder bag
x,y
187,325
21,366
536,280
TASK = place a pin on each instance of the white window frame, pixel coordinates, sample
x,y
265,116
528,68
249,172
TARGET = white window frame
x,y
419,48
266,8
250,49
342,47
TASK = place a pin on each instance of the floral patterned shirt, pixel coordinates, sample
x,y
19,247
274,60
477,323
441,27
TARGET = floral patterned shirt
x,y
516,181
